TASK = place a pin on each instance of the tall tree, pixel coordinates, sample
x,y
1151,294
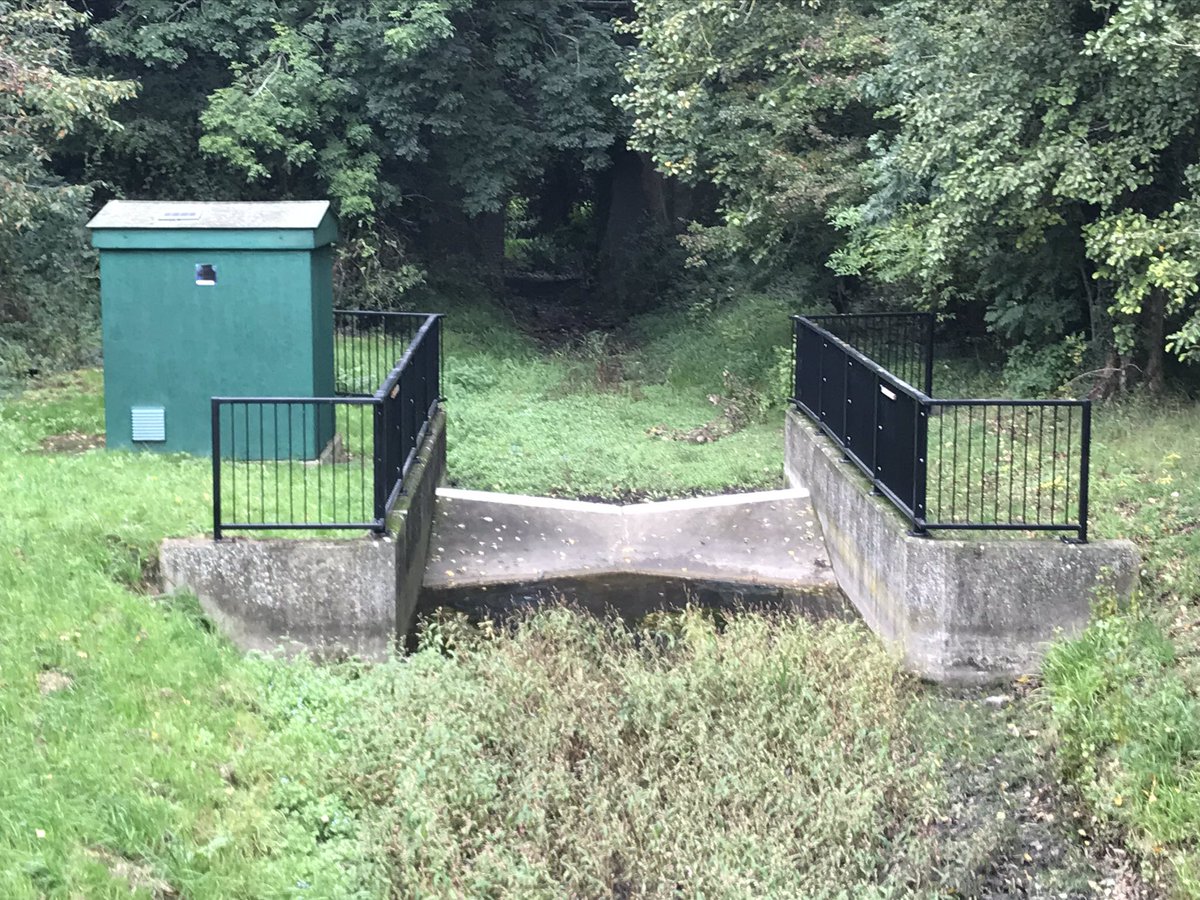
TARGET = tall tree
x,y
1043,168
44,98
762,99
391,107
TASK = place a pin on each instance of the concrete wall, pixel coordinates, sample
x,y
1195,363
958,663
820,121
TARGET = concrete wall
x,y
331,598
411,522
964,611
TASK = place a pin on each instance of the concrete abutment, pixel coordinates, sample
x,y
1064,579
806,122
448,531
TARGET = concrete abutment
x,y
962,611
331,598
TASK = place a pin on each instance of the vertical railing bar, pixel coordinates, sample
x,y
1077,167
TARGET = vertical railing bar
x,y
249,489
362,464
1054,469
333,460
1028,428
999,432
291,466
1066,466
1040,454
931,515
317,466
275,473
262,464
1085,452
233,459
954,469
967,480
216,468
304,453
1012,457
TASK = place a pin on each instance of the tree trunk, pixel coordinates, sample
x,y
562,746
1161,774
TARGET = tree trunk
x,y
654,191
1112,377
625,208
488,229
1156,338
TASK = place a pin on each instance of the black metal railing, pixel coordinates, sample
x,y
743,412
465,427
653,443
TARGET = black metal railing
x,y
986,465
366,346
317,463
902,343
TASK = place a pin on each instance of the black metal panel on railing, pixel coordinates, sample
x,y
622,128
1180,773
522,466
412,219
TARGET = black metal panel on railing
x,y
287,463
1018,465
873,416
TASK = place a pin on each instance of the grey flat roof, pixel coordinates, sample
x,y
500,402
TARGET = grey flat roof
x,y
189,214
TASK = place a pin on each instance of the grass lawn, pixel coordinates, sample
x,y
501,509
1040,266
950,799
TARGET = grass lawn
x,y
761,757
1125,698
569,756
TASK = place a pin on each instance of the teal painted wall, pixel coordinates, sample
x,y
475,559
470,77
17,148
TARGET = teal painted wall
x,y
264,329
321,286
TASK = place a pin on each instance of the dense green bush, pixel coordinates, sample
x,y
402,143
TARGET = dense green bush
x,y
570,757
49,297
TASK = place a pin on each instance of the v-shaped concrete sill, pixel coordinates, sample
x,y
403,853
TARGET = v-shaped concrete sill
x,y
769,538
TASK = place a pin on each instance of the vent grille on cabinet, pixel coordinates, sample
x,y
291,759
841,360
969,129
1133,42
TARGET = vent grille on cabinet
x,y
149,423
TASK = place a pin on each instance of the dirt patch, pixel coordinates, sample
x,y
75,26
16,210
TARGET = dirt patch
x,y
1011,830
139,876
72,442
52,681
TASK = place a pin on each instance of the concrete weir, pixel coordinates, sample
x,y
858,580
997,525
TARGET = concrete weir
x,y
963,611
493,553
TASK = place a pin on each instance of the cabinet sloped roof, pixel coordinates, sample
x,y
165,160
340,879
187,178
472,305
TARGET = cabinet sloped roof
x,y
183,214
185,224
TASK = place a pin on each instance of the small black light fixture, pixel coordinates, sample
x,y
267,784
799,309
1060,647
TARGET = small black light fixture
x,y
206,273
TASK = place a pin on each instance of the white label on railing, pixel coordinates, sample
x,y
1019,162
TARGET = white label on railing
x,y
889,394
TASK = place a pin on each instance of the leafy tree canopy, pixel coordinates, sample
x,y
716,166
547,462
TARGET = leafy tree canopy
x,y
371,102
1043,165
760,99
44,98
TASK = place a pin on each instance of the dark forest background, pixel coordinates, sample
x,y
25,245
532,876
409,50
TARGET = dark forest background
x,y
1027,168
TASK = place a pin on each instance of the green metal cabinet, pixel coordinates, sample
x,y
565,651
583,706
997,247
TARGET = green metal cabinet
x,y
213,299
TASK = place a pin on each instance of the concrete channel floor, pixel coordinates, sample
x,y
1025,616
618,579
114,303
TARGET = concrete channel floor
x,y
756,546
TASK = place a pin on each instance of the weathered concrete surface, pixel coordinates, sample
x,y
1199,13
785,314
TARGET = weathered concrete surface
x,y
957,610
411,522
494,552
331,598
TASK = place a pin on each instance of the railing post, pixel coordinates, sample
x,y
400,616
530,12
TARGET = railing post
x,y
441,360
216,468
847,364
379,454
929,323
794,395
1085,453
821,382
875,430
920,466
